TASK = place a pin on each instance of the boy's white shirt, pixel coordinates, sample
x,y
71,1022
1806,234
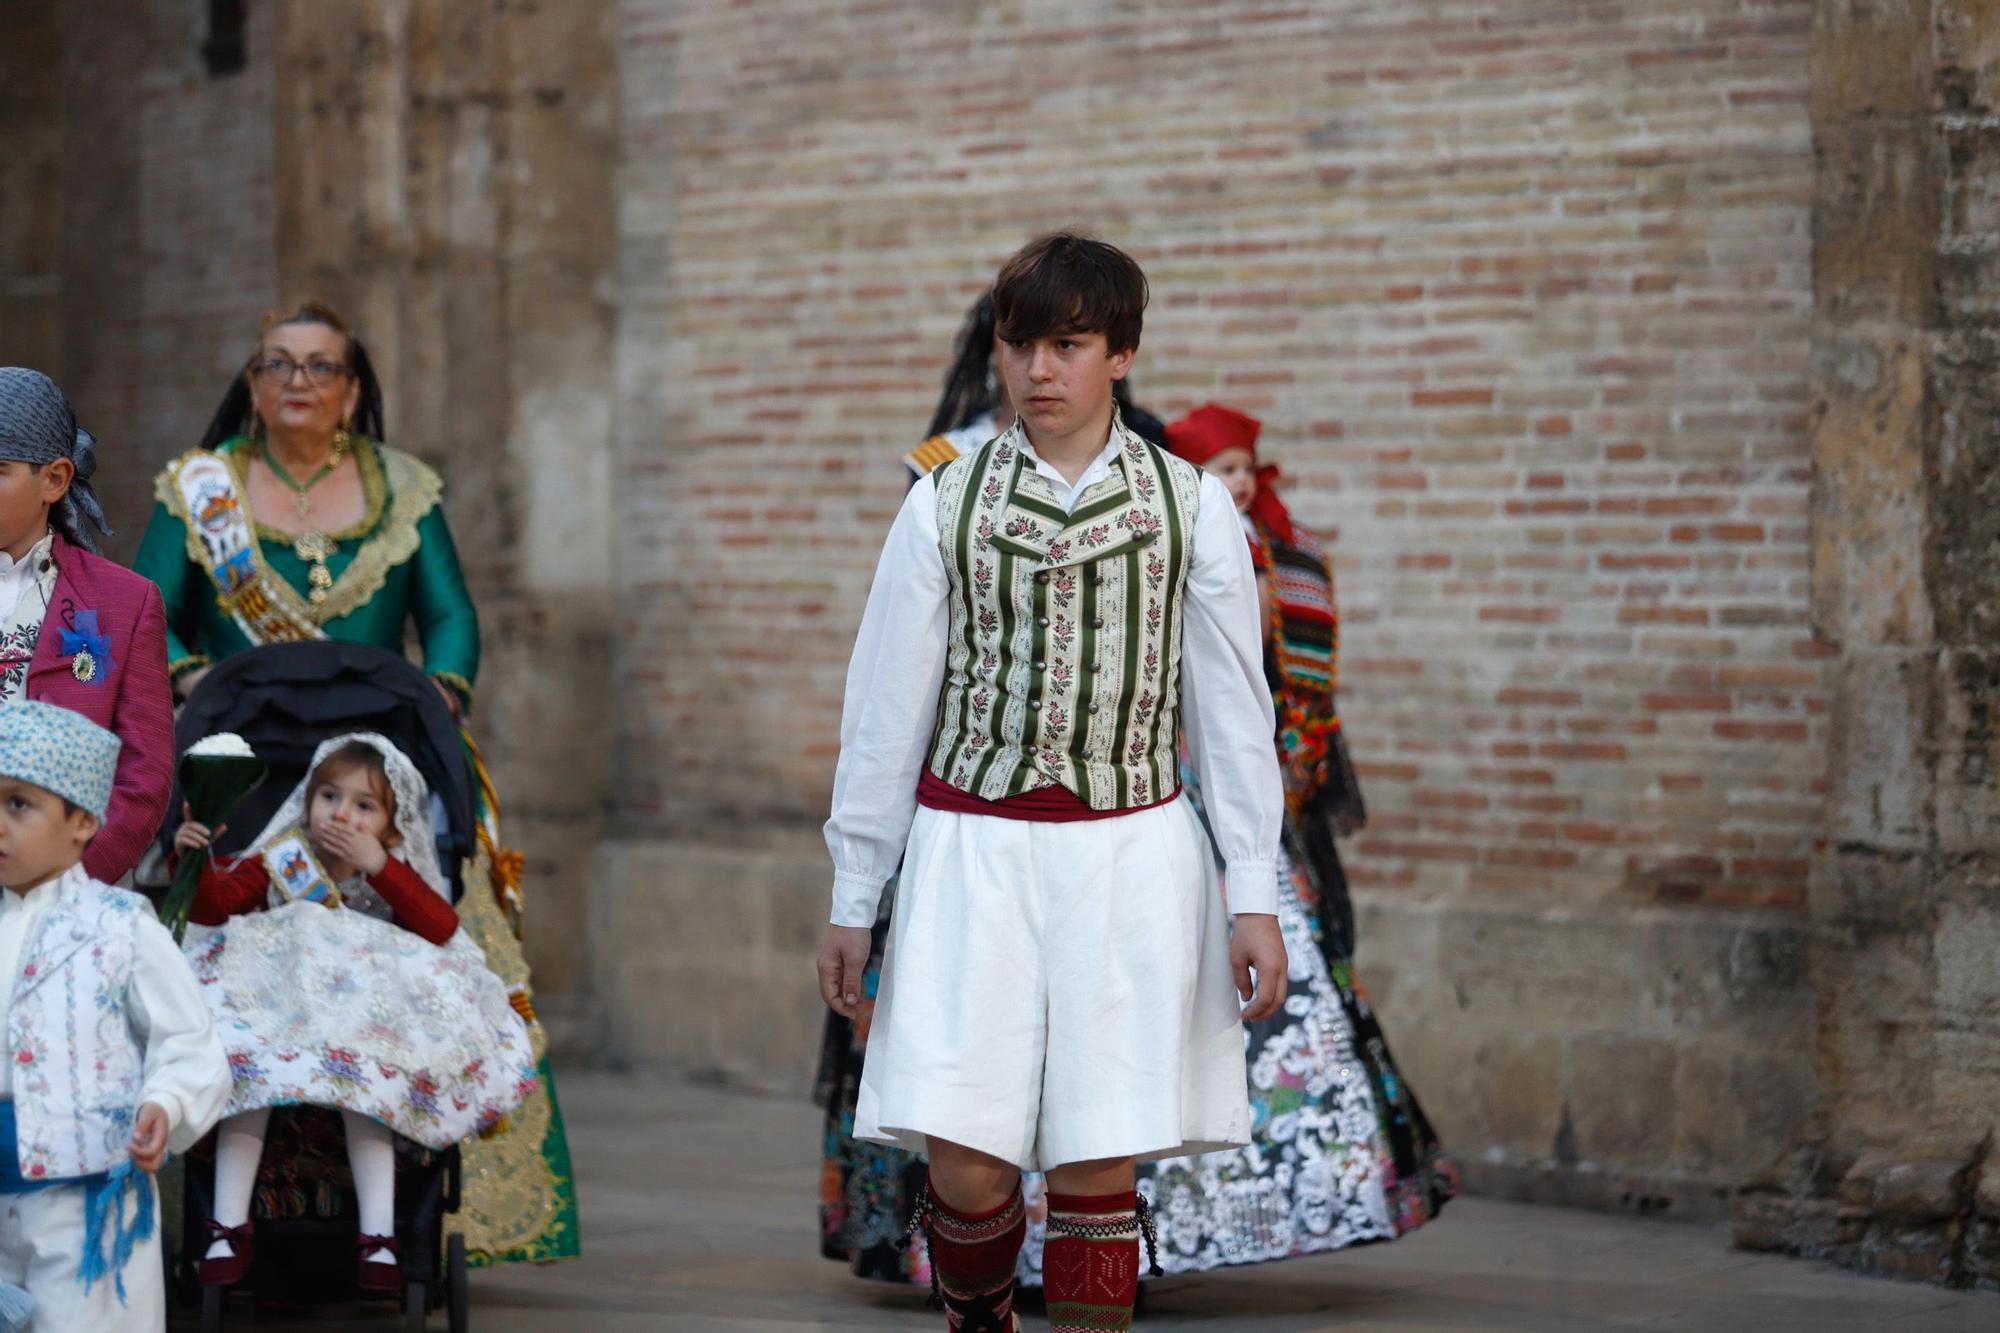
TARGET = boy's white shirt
x,y
17,576
898,667
182,1051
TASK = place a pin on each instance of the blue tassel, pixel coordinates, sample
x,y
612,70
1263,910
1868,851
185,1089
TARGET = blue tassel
x,y
17,1308
104,1218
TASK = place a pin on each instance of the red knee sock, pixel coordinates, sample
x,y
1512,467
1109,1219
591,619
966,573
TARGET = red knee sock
x,y
972,1258
1090,1268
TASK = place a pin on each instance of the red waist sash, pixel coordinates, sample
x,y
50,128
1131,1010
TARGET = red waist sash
x,y
1044,805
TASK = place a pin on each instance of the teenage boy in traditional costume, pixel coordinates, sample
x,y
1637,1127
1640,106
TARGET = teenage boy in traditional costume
x,y
109,1058
869,1191
76,629
1051,612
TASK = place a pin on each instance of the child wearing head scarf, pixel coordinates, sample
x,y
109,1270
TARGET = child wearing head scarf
x,y
1342,1153
76,629
108,1056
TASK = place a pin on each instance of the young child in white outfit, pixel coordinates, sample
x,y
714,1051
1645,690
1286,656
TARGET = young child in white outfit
x,y
110,1056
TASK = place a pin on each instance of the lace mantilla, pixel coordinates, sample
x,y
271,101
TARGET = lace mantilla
x,y
413,809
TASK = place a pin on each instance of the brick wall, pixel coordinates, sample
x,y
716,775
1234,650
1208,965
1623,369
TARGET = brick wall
x,y
1522,294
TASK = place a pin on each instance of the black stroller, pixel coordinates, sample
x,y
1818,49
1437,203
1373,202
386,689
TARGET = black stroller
x,y
285,699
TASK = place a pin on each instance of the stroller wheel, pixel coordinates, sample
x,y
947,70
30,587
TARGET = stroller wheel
x,y
211,1309
415,1315
458,1294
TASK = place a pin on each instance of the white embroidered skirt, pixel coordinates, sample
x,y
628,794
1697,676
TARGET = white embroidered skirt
x,y
1057,993
337,1009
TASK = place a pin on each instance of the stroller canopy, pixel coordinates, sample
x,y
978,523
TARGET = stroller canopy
x,y
287,698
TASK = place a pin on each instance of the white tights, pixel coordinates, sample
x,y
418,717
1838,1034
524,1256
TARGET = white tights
x,y
371,1154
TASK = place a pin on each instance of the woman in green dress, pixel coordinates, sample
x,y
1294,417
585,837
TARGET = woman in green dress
x,y
291,521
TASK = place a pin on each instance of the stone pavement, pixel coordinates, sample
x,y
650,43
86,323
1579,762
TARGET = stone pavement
x,y
698,1217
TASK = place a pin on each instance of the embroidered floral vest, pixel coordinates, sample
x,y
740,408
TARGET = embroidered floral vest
x,y
78,1069
1064,650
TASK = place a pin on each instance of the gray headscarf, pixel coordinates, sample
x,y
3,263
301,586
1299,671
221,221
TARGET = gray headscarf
x,y
38,426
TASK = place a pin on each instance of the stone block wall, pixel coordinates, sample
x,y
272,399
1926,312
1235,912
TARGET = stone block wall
x,y
1522,294
162,213
443,175
447,177
31,107
1896,1171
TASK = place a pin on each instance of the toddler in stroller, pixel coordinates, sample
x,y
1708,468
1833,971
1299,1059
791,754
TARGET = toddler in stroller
x,y
380,1010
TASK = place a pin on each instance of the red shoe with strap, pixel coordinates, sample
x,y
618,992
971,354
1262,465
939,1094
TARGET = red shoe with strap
x,y
377,1274
228,1270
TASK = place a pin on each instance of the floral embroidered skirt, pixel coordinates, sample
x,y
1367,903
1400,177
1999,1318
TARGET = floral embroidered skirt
x,y
1341,1152
338,1009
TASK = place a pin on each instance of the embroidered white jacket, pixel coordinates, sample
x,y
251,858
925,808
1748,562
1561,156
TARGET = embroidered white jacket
x,y
101,1015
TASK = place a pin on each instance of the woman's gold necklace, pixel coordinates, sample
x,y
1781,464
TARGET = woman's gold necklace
x,y
312,546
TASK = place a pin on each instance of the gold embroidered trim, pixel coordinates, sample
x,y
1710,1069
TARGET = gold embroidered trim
x,y
188,663
458,684
412,491
373,492
929,456
510,1197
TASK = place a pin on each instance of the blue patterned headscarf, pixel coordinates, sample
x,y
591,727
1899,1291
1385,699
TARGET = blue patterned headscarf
x,y
38,426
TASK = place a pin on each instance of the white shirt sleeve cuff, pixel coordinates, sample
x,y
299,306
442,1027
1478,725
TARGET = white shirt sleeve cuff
x,y
176,1110
855,899
1253,888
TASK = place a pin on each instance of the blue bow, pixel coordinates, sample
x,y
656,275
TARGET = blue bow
x,y
86,638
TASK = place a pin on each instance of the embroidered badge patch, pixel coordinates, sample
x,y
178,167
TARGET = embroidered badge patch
x,y
297,873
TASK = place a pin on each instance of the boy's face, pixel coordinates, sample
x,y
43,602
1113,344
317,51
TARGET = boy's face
x,y
39,837
1061,383
26,492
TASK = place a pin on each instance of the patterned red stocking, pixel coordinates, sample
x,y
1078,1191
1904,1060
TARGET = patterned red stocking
x,y
1090,1269
972,1262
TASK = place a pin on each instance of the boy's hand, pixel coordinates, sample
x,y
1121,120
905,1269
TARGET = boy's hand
x,y
363,851
843,957
1256,946
149,1138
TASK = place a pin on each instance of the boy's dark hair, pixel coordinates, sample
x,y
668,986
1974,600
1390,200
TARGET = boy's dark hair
x,y
1066,283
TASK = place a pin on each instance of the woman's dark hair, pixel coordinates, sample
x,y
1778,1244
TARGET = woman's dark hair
x,y
970,390
1066,283
236,414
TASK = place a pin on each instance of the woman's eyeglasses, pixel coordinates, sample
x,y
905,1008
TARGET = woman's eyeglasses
x,y
280,369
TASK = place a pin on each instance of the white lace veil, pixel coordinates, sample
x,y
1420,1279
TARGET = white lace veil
x,y
418,849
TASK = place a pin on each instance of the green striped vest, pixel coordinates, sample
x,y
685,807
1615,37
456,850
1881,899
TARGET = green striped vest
x,y
1064,652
